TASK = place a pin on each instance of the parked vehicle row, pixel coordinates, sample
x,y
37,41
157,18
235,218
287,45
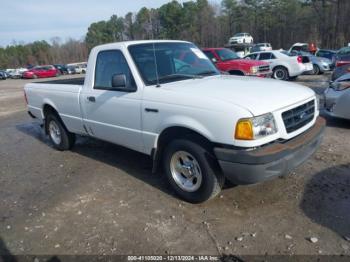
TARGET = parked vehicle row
x,y
43,71
15,73
283,65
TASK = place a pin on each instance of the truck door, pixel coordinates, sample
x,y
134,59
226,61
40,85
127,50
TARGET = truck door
x,y
111,109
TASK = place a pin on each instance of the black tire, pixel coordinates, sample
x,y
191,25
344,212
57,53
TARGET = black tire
x,y
67,139
280,73
316,70
211,178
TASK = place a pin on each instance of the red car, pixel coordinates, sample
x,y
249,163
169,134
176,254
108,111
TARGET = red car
x,y
41,72
228,61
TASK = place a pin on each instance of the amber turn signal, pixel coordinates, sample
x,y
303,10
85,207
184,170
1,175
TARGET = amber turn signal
x,y
244,130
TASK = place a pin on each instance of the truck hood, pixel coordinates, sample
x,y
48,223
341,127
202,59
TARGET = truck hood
x,y
257,95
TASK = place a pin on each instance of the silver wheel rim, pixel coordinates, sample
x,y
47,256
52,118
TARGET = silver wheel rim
x,y
55,132
186,171
279,74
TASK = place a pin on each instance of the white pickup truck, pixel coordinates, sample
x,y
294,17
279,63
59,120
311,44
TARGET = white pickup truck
x,y
167,100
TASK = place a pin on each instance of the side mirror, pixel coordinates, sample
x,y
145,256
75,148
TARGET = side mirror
x,y
214,60
119,81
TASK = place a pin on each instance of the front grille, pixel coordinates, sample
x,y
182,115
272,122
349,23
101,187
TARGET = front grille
x,y
298,117
264,68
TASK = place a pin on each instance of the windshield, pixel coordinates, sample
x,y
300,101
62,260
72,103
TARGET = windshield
x,y
227,54
344,50
239,35
170,62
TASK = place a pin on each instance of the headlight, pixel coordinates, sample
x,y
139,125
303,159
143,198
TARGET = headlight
x,y
256,127
254,69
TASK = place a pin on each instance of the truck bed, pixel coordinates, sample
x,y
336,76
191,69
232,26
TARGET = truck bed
x,y
73,81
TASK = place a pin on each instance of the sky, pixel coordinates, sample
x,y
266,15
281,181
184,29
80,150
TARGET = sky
x,y
25,21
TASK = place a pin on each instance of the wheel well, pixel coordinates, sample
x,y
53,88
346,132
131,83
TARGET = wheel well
x,y
47,110
176,132
280,66
236,72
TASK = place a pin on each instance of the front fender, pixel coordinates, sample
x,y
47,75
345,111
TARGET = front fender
x,y
185,122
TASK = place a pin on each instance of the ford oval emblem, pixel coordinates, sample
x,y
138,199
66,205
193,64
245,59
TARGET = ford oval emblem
x,y
302,115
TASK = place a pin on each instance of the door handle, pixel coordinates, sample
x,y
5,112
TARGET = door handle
x,y
153,110
91,98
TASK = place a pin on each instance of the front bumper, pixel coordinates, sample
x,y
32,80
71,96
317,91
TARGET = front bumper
x,y
325,67
264,163
266,74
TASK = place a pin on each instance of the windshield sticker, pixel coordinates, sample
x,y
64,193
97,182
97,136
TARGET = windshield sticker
x,y
199,54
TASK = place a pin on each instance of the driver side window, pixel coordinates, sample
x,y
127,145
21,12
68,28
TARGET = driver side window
x,y
108,64
252,56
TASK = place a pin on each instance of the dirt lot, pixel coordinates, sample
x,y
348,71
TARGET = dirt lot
x,y
103,199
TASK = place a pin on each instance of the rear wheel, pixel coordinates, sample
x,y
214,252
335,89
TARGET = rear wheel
x,y
190,171
59,136
280,73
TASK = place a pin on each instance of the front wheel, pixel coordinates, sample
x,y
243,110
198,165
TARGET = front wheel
x,y
191,172
316,70
59,136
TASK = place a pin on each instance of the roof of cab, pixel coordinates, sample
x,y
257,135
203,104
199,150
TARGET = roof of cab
x,y
128,43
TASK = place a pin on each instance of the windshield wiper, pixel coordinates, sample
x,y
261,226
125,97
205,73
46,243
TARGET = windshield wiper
x,y
207,73
175,77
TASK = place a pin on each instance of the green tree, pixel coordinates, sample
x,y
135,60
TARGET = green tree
x,y
171,20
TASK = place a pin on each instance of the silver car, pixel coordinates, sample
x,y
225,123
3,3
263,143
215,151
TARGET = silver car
x,y
320,64
337,98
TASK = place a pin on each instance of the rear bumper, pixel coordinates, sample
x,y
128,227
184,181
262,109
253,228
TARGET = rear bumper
x,y
254,166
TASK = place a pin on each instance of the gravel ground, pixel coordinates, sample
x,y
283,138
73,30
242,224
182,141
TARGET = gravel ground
x,y
103,199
